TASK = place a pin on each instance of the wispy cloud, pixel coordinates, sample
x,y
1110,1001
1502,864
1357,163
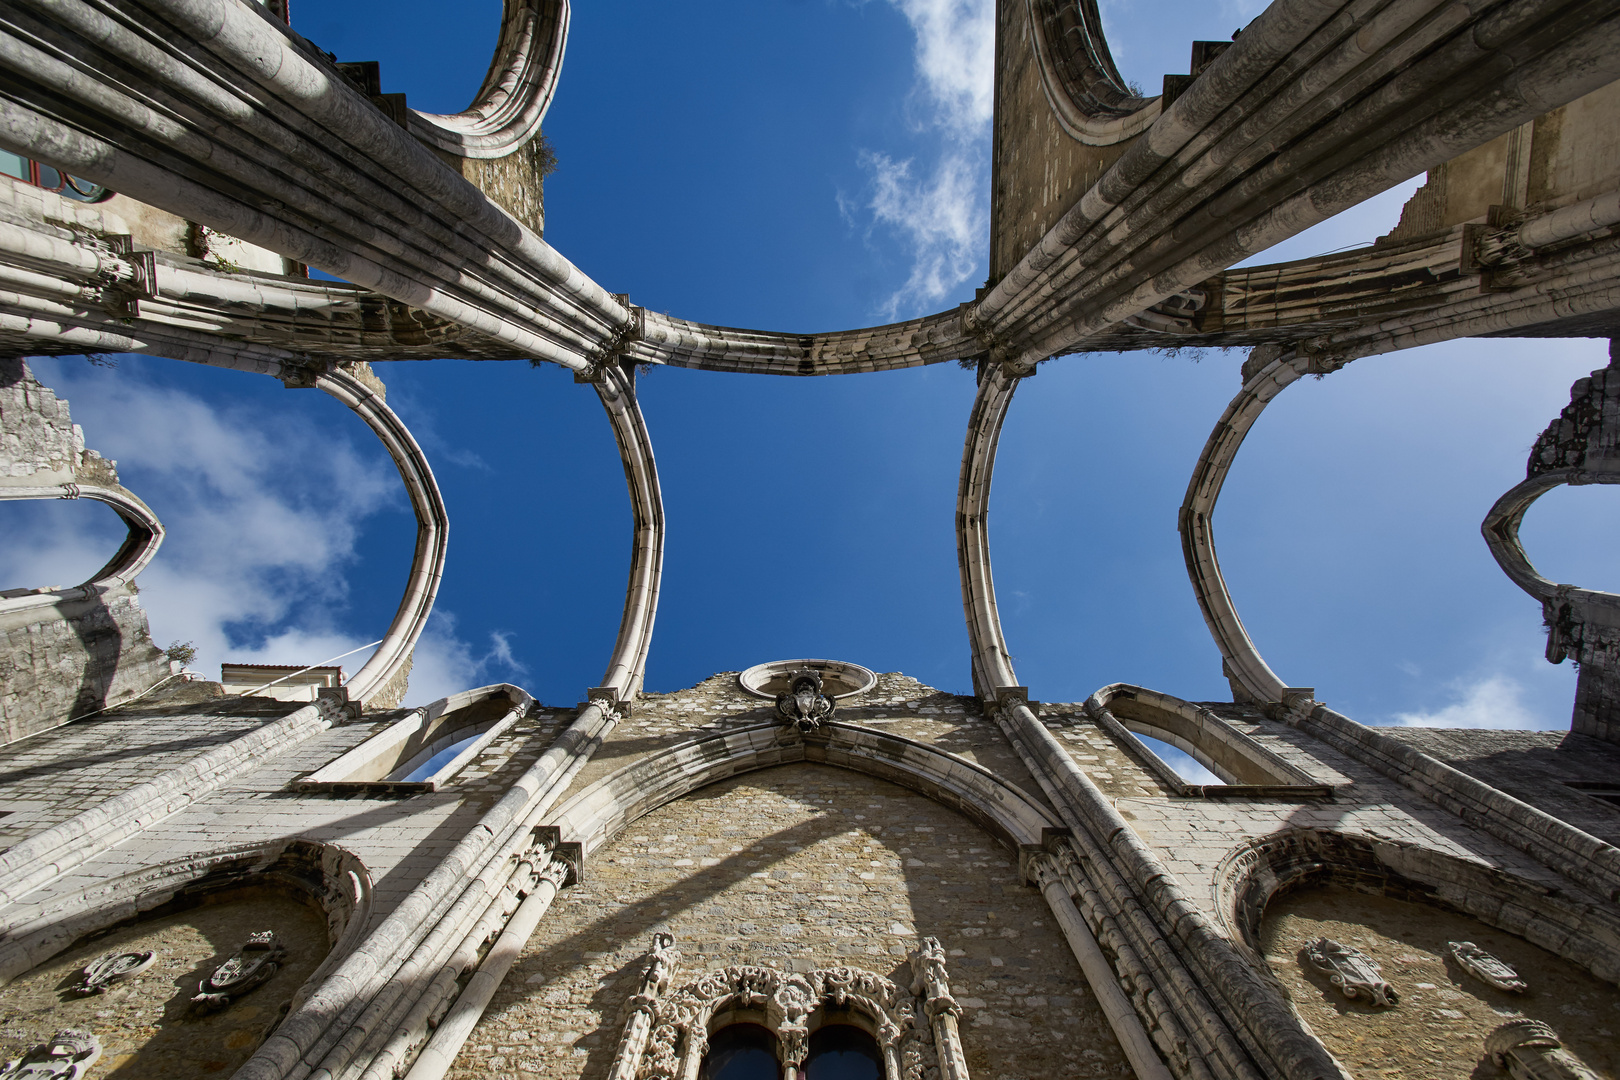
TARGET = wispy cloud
x,y
939,209
264,510
1495,701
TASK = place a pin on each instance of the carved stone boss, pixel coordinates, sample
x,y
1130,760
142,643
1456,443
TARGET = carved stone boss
x,y
1351,970
1530,1050
667,1034
804,705
1486,968
68,1056
250,966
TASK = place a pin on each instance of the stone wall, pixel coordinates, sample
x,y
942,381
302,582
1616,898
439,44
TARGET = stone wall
x,y
1039,170
76,656
799,867
1436,1030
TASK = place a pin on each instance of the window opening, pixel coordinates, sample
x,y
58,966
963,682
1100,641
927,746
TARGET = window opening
x,y
51,179
843,1052
1186,766
741,1052
438,760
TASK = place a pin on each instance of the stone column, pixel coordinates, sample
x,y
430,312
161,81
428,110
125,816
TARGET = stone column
x,y
1099,973
929,981
660,965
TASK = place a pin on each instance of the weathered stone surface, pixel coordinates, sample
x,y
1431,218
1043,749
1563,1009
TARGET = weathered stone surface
x,y
797,868
1437,1031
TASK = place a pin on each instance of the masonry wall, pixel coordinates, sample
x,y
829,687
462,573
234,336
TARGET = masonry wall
x,y
1040,171
76,656
799,867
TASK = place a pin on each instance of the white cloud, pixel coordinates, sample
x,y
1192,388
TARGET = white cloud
x,y
264,509
1495,701
943,221
940,213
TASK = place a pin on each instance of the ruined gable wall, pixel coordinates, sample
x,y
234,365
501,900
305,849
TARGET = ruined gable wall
x,y
1039,170
74,657
798,867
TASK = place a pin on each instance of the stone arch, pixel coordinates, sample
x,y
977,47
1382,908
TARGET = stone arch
x,y
1255,873
599,812
331,878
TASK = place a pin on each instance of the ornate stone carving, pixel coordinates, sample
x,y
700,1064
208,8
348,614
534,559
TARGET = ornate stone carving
x,y
110,968
1530,1050
68,1056
804,705
1486,968
899,1019
249,967
1351,970
642,1008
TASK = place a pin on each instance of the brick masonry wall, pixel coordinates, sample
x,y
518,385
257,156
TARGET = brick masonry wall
x,y
798,867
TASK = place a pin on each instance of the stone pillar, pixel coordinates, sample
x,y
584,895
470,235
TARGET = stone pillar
x,y
660,965
929,981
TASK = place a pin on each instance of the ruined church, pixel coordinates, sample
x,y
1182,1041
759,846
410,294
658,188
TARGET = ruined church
x,y
801,869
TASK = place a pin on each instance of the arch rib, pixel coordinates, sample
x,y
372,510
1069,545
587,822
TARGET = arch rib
x,y
1089,99
1242,661
432,534
509,106
140,545
627,666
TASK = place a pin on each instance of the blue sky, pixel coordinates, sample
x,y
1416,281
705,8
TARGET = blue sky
x,y
809,165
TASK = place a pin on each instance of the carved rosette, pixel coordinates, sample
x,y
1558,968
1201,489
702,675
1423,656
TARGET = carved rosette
x,y
1530,1050
1351,970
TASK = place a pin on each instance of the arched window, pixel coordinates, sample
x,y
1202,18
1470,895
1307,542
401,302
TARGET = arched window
x,y
842,1052
741,1052
50,179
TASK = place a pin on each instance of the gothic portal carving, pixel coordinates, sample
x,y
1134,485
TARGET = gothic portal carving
x,y
111,968
249,967
68,1056
1351,970
1486,968
804,705
667,1034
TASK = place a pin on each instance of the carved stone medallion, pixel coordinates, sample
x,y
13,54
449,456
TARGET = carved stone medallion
x,y
68,1056
1351,970
1486,968
111,968
252,965
804,705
